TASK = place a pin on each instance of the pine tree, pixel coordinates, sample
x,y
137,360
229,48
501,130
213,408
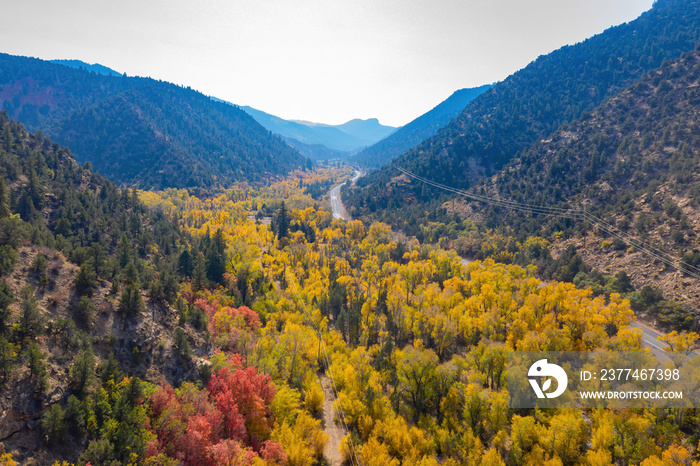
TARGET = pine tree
x,y
37,366
82,372
6,297
124,251
215,263
31,322
185,264
4,203
282,222
53,424
8,354
199,276
131,303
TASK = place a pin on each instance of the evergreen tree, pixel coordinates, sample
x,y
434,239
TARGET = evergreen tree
x,y
110,370
215,262
37,366
131,303
123,251
4,203
84,311
185,263
199,276
6,298
98,256
86,280
282,222
82,372
8,354
31,321
53,425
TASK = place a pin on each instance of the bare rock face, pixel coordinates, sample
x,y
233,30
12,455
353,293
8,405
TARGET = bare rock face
x,y
10,423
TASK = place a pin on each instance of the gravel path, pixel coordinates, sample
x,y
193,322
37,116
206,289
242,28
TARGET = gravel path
x,y
334,432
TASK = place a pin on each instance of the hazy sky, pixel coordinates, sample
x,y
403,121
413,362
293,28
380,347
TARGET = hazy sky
x,y
320,60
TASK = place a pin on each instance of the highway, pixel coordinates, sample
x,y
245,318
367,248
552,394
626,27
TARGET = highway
x,y
336,201
649,338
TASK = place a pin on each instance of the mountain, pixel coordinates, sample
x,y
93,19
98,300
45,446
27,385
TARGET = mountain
x,y
154,328
348,137
142,132
309,134
418,130
366,131
634,163
96,67
529,105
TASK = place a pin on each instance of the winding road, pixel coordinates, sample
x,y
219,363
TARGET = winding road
x,y
337,203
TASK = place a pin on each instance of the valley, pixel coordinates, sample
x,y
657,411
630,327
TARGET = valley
x,y
189,282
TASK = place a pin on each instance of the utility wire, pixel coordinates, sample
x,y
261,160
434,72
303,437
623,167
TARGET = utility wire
x,y
574,214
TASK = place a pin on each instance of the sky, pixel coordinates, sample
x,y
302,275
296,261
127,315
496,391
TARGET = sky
x,y
326,61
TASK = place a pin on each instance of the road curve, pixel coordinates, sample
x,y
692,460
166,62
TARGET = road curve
x,y
337,203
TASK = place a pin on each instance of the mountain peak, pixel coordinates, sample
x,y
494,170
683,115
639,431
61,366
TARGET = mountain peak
x,y
79,64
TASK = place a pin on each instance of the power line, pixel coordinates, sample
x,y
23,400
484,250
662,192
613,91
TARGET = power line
x,y
574,214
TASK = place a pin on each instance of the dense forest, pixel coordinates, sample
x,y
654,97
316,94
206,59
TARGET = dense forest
x,y
142,132
162,328
529,105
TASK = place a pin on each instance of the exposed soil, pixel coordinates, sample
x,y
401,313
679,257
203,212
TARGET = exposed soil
x,y
335,434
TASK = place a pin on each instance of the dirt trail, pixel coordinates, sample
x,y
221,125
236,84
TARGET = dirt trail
x,y
334,432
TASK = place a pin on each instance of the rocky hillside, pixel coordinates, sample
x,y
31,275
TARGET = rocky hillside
x,y
82,303
634,164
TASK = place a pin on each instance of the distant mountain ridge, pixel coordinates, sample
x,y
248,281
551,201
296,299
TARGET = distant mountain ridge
x,y
142,132
346,138
96,67
418,130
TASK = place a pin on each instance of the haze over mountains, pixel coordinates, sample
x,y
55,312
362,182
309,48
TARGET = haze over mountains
x,y
140,131
346,138
377,144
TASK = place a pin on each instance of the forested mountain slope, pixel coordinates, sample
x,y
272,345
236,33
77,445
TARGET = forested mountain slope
x,y
533,102
142,132
418,130
90,345
633,162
